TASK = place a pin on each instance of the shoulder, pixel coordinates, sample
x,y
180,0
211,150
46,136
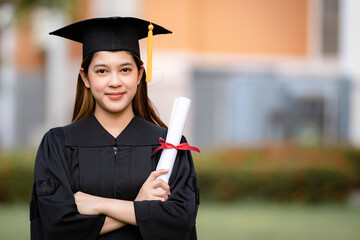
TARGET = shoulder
x,y
55,135
62,135
52,143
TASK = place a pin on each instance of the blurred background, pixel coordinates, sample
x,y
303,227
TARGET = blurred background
x,y
275,86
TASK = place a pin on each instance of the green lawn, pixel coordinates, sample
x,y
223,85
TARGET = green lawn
x,y
240,220
14,222
255,221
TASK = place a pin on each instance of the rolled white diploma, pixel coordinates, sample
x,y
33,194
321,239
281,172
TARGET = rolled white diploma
x,y
176,127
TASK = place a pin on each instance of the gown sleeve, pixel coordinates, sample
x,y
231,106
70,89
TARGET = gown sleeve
x,y
175,218
53,211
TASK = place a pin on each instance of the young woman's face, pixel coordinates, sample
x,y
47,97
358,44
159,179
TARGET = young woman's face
x,y
113,79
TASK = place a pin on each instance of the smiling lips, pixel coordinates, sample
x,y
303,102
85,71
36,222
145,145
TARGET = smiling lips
x,y
115,95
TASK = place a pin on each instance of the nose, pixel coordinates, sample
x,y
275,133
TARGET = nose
x,y
115,80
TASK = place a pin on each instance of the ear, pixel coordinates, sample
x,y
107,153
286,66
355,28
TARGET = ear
x,y
141,72
84,77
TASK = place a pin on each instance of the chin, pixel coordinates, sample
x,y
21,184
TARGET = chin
x,y
117,110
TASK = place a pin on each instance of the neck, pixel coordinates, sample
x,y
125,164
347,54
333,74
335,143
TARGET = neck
x,y
114,123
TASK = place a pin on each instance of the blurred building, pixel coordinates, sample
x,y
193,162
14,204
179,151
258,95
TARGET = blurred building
x,y
258,71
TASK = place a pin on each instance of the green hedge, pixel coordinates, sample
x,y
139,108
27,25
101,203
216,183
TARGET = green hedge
x,y
16,176
281,174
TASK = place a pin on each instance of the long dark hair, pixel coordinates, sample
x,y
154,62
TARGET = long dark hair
x,y
141,104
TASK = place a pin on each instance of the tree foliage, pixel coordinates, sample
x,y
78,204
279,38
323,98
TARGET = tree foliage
x,y
26,6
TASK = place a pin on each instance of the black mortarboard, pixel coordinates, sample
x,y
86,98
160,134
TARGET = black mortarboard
x,y
106,34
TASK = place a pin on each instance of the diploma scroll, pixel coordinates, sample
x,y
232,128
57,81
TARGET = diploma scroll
x,y
176,126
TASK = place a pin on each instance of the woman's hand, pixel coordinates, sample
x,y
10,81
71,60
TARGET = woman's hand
x,y
88,204
150,189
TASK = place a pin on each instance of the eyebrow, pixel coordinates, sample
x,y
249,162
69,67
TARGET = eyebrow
x,y
104,65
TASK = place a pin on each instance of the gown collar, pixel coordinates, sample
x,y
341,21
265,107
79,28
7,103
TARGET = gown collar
x,y
89,132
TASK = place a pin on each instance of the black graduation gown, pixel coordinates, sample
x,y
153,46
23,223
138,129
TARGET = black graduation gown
x,y
83,156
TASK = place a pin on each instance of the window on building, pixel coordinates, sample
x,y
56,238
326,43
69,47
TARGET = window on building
x,y
329,28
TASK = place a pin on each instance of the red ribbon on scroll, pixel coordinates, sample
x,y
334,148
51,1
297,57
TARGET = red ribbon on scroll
x,y
181,146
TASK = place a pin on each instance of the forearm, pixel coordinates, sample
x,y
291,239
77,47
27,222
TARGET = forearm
x,y
124,211
120,210
110,225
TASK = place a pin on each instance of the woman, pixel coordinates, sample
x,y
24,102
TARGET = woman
x,y
95,178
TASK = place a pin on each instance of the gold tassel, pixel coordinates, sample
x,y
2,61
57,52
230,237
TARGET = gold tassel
x,y
149,54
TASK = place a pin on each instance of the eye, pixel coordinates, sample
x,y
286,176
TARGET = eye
x,y
126,70
101,71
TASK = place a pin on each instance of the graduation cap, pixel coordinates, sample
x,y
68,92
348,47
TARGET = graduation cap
x,y
111,34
